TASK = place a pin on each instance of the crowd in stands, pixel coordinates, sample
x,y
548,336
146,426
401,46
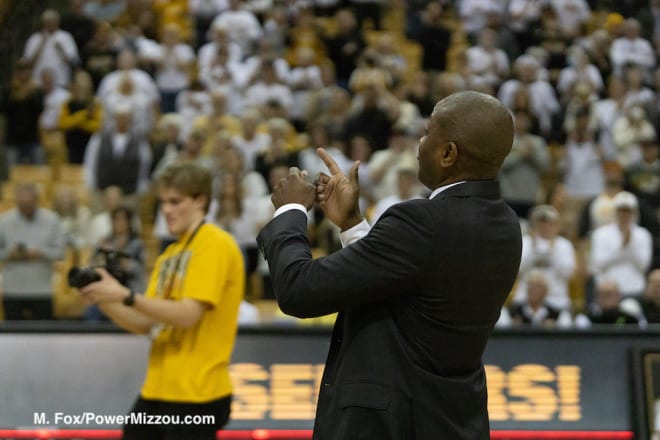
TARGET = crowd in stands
x,y
249,88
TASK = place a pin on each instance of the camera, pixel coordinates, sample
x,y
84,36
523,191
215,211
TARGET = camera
x,y
79,277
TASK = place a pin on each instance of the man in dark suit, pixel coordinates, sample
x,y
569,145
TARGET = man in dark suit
x,y
418,294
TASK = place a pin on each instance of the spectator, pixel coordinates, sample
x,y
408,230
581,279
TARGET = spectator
x,y
268,88
121,157
643,176
543,102
219,40
608,307
534,310
218,121
524,17
242,26
30,242
371,120
572,15
434,38
304,79
74,218
600,210
81,116
631,48
474,15
51,48
99,55
78,24
607,111
203,13
22,104
124,250
279,151
384,164
54,97
637,93
579,70
368,10
621,251
486,61
582,161
628,131
193,103
545,250
249,141
650,302
408,187
100,226
166,140
173,66
344,46
521,172
128,94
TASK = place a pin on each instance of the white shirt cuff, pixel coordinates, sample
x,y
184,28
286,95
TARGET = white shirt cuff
x,y
288,207
355,233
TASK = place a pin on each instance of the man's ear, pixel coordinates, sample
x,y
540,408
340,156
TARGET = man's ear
x,y
449,155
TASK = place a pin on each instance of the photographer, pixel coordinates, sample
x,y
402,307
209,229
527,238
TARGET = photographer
x,y
122,252
190,308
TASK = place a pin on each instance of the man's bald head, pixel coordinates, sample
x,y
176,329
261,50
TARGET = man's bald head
x,y
482,129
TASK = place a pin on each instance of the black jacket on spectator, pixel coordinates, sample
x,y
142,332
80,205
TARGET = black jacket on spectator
x,y
651,311
118,171
611,316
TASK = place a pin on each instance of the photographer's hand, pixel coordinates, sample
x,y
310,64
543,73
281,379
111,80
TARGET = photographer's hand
x,y
107,290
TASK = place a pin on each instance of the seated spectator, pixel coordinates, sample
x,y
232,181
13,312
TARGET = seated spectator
x,y
30,242
100,226
608,307
80,117
123,250
545,250
621,250
191,152
534,310
74,217
650,302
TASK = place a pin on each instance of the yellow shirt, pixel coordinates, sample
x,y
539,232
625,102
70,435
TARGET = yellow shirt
x,y
192,365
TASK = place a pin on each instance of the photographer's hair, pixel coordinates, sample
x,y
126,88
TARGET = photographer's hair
x,y
129,214
189,179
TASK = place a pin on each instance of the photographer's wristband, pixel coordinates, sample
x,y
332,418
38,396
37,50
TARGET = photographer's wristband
x,y
129,299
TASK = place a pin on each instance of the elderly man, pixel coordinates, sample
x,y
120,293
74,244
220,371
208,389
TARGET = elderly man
x,y
30,242
418,294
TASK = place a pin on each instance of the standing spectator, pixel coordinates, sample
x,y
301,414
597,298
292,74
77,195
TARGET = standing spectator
x,y
268,88
486,61
250,142
621,250
579,70
384,164
30,242
545,250
643,177
304,79
99,55
173,66
636,92
371,120
434,38
129,94
80,117
582,162
524,17
22,105
474,15
52,47
49,121
78,24
121,157
408,187
207,54
344,46
572,15
607,111
203,13
521,172
631,48
242,26
193,103
368,10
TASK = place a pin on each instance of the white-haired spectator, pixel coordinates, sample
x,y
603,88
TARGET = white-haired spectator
x,y
486,61
241,24
51,47
631,48
543,101
621,250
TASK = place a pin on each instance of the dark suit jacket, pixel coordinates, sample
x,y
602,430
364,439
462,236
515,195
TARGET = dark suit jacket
x,y
417,300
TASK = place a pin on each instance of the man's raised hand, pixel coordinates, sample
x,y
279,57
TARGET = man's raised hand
x,y
338,195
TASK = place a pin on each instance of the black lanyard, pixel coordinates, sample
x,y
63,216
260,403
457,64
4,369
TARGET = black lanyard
x,y
170,279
